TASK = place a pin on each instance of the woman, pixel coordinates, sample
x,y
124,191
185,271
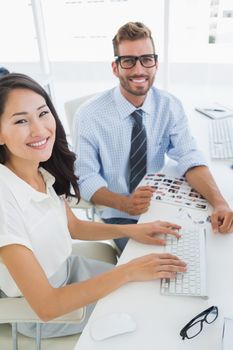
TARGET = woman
x,y
36,176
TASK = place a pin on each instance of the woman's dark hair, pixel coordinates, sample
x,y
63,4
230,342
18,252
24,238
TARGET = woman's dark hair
x,y
61,162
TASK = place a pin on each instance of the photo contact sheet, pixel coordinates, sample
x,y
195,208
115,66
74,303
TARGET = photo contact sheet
x,y
174,190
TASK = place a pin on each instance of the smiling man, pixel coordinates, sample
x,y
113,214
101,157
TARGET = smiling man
x,y
125,132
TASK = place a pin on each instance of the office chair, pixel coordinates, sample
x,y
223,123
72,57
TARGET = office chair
x,y
15,310
70,109
92,210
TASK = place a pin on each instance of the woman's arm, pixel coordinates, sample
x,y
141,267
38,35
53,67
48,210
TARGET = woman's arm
x,y
144,233
49,302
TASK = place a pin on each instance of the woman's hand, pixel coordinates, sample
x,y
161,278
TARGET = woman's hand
x,y
146,233
154,266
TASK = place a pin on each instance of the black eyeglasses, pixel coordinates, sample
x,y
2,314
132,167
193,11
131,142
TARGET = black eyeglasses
x,y
127,62
194,327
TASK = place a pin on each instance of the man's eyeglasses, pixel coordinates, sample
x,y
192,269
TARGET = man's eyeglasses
x,y
127,62
194,327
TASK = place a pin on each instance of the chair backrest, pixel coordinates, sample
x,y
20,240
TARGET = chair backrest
x,y
70,109
16,310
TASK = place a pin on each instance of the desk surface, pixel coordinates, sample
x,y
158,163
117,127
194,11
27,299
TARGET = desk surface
x,y
160,318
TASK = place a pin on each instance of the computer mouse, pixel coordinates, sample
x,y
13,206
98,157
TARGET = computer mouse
x,y
111,325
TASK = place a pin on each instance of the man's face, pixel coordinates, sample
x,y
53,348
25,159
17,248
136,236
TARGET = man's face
x,y
136,81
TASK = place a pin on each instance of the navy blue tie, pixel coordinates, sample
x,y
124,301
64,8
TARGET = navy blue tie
x,y
138,156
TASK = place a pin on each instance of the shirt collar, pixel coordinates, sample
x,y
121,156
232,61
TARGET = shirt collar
x,y
22,191
125,108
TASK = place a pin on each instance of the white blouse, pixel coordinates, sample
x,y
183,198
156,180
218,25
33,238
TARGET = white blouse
x,y
33,219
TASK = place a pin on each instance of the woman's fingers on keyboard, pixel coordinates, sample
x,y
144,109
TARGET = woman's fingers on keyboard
x,y
167,228
171,260
167,231
168,268
166,274
170,225
168,256
173,231
173,268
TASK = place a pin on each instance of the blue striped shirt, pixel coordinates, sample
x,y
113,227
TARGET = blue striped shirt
x,y
102,130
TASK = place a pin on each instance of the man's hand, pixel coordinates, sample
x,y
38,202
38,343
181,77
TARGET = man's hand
x,y
222,219
139,201
148,233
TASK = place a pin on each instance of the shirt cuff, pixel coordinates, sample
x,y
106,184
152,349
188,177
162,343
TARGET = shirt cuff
x,y
190,162
89,186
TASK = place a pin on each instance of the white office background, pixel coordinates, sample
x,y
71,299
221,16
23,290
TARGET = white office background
x,y
71,41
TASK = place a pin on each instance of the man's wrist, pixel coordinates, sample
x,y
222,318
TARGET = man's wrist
x,y
219,202
221,205
110,199
123,203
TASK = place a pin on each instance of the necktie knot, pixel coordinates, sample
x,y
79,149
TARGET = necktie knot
x,y
137,116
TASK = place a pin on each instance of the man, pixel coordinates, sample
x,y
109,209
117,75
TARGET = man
x,y
107,131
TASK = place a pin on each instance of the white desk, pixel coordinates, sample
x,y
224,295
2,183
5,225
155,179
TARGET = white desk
x,y
160,318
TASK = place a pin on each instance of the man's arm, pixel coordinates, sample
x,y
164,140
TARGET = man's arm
x,y
135,204
201,179
193,165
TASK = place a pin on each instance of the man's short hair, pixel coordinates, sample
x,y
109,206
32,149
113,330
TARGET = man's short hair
x,y
131,31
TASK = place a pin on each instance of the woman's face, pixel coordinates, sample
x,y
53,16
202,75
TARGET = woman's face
x,y
27,127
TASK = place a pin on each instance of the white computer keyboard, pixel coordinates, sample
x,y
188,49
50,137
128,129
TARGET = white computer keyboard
x,y
191,248
221,138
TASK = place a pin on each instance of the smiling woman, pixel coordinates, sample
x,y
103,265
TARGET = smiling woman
x,y
36,176
28,129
